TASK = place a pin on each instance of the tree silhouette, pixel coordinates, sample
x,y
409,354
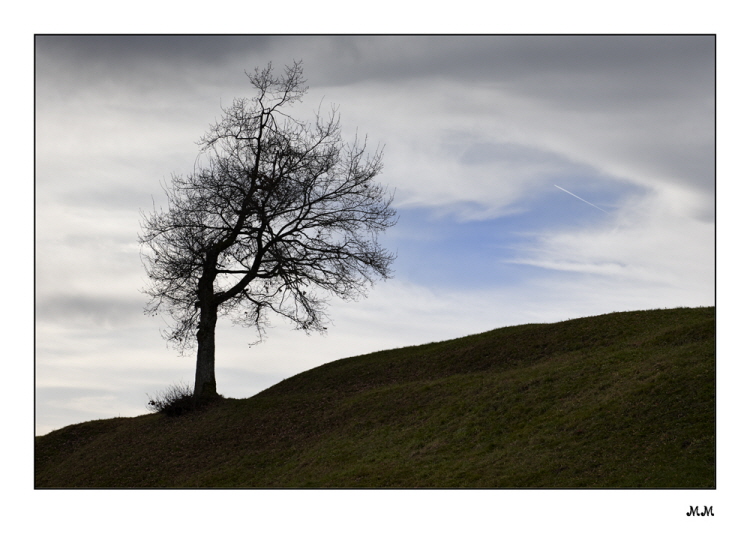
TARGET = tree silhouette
x,y
278,216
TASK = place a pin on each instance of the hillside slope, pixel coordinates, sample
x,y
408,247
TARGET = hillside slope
x,y
617,400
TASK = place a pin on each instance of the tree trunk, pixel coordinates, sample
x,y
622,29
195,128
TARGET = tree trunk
x,y
205,376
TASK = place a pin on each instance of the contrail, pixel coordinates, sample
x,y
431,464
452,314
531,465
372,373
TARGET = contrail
x,y
583,200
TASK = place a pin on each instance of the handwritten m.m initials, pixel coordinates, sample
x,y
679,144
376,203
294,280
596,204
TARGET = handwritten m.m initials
x,y
695,510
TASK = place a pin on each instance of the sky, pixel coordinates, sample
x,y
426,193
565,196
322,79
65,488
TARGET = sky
x,y
536,179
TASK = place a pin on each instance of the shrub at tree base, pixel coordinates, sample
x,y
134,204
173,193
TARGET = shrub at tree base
x,y
174,401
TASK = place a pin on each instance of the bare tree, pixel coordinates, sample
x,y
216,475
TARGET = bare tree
x,y
278,216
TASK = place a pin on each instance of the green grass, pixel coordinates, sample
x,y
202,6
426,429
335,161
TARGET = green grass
x,y
612,401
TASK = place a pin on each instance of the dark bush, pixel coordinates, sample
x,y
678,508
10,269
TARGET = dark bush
x,y
174,401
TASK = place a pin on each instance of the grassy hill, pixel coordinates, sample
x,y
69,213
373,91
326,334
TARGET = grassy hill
x,y
617,400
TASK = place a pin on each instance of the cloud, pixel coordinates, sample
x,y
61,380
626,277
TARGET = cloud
x,y
94,312
648,244
433,127
637,108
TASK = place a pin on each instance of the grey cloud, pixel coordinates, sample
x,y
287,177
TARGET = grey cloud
x,y
526,160
685,163
513,154
117,51
352,59
545,65
63,393
650,97
115,245
88,311
113,198
586,70
148,65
